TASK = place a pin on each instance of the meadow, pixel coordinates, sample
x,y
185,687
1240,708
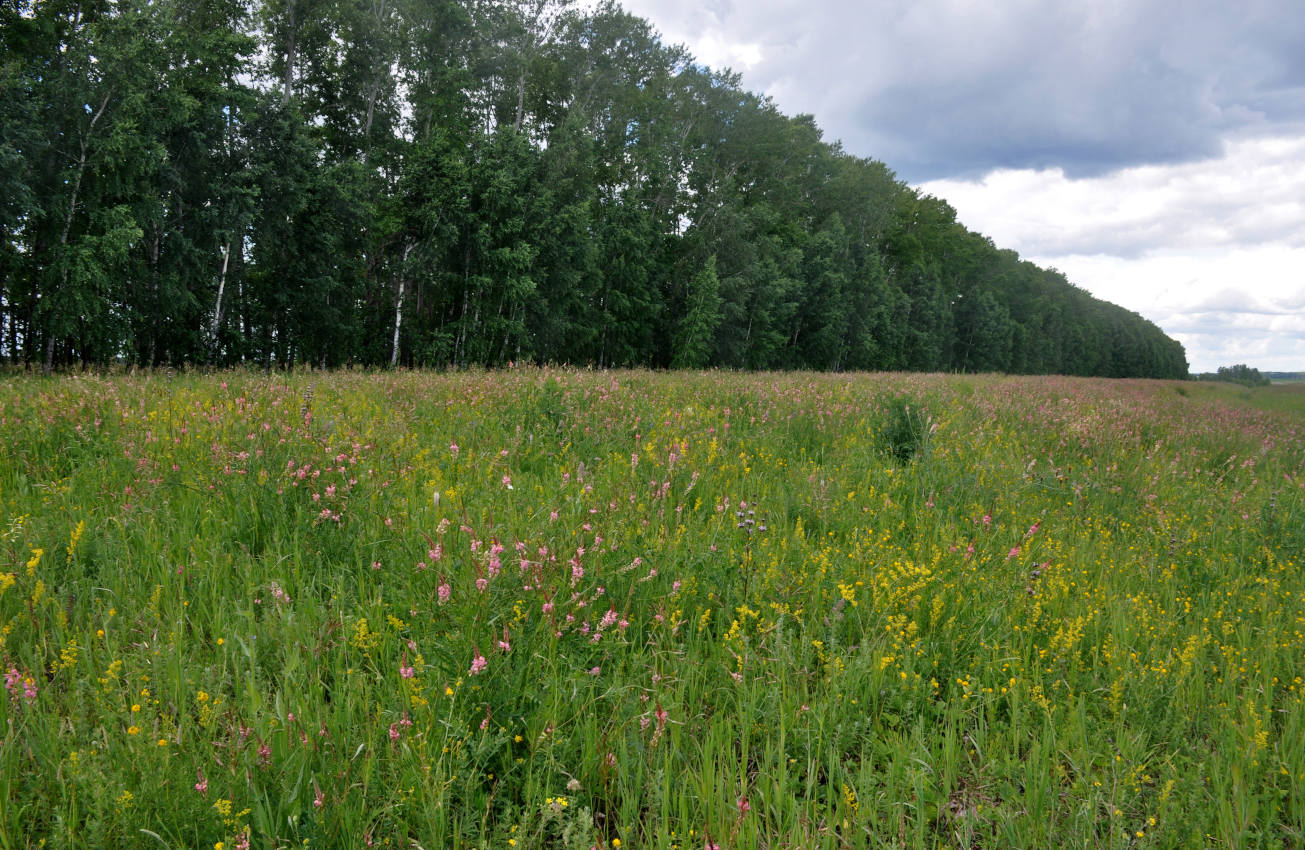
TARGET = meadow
x,y
569,609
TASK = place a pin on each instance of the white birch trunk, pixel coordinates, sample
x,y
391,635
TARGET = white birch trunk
x,y
222,284
398,320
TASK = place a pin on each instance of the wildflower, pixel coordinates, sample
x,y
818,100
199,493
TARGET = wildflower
x,y
202,785
12,678
744,806
478,664
444,592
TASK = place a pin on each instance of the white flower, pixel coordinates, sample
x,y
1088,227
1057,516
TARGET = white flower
x,y
436,498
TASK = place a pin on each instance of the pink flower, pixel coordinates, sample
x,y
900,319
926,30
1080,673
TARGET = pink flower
x,y
202,785
406,671
394,732
744,806
444,592
478,665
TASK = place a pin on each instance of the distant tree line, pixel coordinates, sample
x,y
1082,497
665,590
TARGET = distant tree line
x,y
457,182
1239,374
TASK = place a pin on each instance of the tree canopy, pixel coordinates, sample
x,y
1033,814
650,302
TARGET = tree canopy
x,y
458,182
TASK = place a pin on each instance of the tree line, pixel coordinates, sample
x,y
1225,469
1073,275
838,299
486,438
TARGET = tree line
x,y
456,182
1238,374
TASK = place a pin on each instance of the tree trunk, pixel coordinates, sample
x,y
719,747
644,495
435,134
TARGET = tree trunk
x,y
398,305
288,78
398,321
217,306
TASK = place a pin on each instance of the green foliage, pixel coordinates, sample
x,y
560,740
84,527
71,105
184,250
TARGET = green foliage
x,y
904,428
1239,374
697,328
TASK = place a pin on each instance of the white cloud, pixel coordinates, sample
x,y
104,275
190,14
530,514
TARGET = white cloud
x,y
1254,194
1213,252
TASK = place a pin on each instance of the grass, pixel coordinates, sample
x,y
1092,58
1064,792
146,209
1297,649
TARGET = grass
x,y
650,610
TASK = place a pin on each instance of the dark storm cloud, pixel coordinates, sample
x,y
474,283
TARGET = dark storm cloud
x,y
956,88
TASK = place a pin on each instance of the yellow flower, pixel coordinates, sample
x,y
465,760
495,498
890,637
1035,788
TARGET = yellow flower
x,y
133,730
163,742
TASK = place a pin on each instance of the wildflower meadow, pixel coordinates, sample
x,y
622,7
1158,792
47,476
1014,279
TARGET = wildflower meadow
x,y
571,609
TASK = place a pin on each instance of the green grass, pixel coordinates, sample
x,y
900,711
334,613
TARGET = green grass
x,y
752,611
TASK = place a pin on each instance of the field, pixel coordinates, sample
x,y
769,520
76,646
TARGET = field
x,y
571,609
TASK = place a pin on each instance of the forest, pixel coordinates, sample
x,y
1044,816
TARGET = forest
x,y
452,183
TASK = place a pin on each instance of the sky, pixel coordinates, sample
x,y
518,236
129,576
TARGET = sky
x,y
1152,150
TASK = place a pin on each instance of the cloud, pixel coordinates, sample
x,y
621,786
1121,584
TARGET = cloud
x,y
956,87
1252,194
